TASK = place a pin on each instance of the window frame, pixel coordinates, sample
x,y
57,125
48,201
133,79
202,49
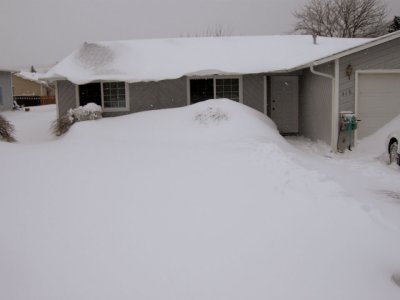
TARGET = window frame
x,y
108,109
214,78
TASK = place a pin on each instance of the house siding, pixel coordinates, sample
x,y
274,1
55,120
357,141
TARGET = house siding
x,y
24,87
316,104
383,56
253,91
157,95
6,94
66,96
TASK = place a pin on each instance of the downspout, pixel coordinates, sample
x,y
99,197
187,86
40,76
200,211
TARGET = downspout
x,y
335,102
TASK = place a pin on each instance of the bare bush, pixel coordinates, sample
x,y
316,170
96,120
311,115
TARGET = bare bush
x,y
62,125
211,115
90,111
6,130
342,18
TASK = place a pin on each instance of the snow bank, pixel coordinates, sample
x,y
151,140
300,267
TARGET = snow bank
x,y
217,120
33,126
375,143
158,205
158,59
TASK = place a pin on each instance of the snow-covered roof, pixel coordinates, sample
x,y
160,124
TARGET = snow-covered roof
x,y
158,59
31,76
5,69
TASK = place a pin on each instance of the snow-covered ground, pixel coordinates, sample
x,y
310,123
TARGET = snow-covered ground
x,y
200,202
33,126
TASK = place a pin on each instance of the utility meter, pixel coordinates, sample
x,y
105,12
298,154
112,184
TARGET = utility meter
x,y
348,123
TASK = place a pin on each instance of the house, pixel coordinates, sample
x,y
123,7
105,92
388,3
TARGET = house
x,y
6,96
29,84
29,90
300,82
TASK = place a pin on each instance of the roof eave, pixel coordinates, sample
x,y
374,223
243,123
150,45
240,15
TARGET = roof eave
x,y
8,70
52,78
380,40
375,42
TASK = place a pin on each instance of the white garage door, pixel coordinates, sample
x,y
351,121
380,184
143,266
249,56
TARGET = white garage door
x,y
378,101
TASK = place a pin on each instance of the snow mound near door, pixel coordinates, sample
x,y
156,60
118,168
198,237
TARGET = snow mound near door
x,y
207,121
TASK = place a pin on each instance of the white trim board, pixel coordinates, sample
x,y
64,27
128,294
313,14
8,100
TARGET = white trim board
x,y
56,97
265,83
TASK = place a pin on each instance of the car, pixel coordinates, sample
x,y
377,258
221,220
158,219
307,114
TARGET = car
x,y
392,146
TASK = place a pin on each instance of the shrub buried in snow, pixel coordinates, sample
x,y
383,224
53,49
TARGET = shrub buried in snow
x,y
90,111
6,130
211,114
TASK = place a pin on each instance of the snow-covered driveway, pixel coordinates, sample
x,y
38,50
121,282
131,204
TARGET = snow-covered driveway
x,y
200,202
363,173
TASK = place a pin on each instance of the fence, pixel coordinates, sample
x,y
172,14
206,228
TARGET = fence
x,y
44,100
34,100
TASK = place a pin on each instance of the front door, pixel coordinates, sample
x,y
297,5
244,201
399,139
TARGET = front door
x,y
285,103
90,93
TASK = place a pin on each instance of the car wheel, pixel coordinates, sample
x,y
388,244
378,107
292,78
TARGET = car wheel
x,y
393,155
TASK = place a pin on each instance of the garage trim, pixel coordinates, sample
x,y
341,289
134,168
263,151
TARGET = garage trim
x,y
372,71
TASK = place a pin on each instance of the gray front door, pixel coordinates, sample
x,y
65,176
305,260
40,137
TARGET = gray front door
x,y
285,103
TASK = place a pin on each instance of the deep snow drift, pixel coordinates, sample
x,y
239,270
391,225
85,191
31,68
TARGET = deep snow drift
x,y
200,202
376,142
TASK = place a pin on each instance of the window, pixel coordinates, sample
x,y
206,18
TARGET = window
x,y
90,93
112,96
213,88
228,88
201,90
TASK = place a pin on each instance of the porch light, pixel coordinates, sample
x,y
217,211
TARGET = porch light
x,y
349,71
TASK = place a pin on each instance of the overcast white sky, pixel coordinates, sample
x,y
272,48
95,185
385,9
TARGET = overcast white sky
x,y
41,32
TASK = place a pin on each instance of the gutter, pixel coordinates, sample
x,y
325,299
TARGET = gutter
x,y
335,102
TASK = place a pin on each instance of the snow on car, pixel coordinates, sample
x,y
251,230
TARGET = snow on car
x,y
392,143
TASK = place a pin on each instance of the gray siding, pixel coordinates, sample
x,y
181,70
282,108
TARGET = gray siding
x,y
384,56
157,95
316,104
253,91
6,96
66,96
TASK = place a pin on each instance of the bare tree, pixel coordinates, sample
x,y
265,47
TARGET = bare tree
x,y
395,24
216,30
342,18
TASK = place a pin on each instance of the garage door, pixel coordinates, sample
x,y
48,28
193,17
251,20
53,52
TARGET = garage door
x,y
378,101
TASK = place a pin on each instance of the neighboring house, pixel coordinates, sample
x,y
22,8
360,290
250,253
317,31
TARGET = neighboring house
x,y
6,96
300,84
28,84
